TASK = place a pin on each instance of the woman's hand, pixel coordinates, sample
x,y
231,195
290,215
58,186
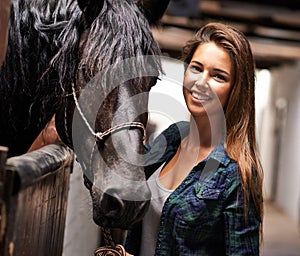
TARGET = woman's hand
x,y
47,136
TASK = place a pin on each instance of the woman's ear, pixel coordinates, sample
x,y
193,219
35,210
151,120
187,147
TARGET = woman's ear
x,y
153,9
90,9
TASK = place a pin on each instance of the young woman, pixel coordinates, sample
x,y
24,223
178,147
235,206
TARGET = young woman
x,y
205,175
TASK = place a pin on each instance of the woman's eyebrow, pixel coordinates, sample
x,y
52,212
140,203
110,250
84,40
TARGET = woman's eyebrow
x,y
222,71
196,62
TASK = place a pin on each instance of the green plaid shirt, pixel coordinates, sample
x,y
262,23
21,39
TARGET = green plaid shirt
x,y
201,217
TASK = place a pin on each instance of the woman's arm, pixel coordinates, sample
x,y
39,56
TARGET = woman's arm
x,y
47,136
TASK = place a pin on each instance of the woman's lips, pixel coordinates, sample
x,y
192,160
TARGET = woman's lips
x,y
199,96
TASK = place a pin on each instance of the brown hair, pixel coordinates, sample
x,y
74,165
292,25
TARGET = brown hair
x,y
240,109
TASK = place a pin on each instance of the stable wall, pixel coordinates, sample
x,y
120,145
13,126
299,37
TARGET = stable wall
x,y
279,140
286,89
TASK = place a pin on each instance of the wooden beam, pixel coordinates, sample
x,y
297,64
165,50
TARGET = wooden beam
x,y
173,38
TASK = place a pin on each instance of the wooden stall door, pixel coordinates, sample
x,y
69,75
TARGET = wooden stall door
x,y
34,202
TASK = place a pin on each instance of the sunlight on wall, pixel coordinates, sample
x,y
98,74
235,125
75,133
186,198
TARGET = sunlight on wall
x,y
262,98
264,124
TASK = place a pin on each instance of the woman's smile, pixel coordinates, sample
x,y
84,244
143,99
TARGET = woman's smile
x,y
199,97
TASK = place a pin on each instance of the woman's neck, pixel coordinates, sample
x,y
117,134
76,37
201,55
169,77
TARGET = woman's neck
x,y
205,133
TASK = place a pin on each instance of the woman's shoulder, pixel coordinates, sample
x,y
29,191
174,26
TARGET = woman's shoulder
x,y
175,132
164,145
168,139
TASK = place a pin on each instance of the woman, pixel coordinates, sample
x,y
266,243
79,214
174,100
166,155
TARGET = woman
x,y
207,184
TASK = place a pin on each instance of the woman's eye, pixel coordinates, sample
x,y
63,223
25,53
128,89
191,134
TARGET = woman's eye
x,y
220,77
195,68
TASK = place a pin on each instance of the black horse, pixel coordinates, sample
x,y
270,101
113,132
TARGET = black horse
x,y
91,63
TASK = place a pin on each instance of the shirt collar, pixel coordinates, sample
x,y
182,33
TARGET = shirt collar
x,y
219,154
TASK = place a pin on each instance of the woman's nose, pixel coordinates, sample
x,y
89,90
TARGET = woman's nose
x,y
201,82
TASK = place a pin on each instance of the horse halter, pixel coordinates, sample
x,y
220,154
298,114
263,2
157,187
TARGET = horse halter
x,y
101,136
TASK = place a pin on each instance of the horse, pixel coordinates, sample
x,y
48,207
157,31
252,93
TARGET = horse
x,y
91,64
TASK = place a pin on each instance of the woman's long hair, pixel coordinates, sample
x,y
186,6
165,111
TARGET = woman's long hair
x,y
240,110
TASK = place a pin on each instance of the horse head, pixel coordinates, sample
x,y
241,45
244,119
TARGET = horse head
x,y
104,108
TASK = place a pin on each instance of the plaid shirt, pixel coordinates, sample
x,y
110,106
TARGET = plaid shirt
x,y
201,217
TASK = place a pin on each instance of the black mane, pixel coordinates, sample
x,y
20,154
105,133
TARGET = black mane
x,y
28,98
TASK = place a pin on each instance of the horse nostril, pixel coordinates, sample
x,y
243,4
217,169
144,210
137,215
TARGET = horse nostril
x,y
111,204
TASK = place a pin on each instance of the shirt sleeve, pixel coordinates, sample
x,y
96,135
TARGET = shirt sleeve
x,y
241,231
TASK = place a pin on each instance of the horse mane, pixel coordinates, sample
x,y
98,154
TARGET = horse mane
x,y
28,94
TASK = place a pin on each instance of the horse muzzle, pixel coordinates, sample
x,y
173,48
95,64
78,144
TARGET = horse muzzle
x,y
120,209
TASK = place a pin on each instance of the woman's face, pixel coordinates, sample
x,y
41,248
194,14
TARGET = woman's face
x,y
208,80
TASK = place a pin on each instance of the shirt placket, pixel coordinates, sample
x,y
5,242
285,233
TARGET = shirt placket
x,y
163,233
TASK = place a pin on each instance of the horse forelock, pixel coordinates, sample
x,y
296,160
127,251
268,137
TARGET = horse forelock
x,y
124,33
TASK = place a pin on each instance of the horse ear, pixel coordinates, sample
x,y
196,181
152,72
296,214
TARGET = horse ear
x,y
153,9
90,9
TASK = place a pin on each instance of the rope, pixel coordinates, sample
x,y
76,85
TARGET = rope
x,y
107,236
100,136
